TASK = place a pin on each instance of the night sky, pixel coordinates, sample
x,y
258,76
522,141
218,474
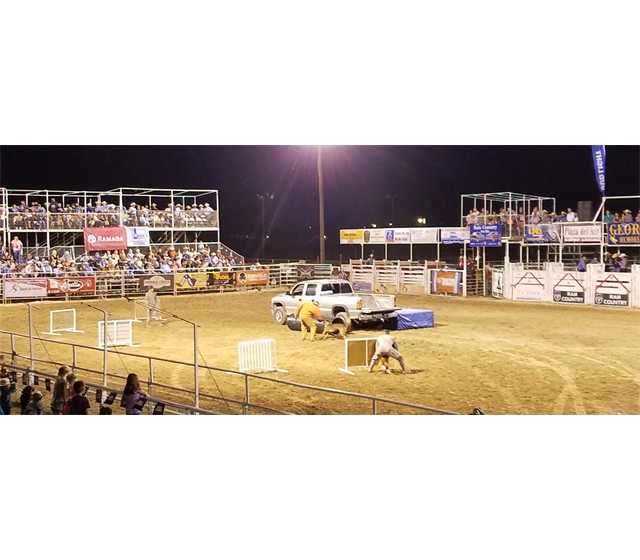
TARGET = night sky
x,y
358,182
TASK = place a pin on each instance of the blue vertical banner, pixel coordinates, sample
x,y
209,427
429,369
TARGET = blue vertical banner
x,y
599,160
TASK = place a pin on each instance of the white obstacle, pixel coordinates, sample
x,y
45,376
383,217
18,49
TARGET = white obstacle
x,y
357,353
118,333
59,314
258,355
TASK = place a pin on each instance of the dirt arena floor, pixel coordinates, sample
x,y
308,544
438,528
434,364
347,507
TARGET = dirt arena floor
x,y
502,356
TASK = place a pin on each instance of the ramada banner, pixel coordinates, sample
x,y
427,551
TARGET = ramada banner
x,y
102,239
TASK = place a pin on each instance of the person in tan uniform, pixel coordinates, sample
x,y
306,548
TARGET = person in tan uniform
x,y
307,311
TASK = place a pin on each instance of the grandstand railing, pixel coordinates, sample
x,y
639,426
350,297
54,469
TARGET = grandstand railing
x,y
176,398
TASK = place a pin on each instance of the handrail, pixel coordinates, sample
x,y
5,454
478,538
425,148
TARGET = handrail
x,y
247,376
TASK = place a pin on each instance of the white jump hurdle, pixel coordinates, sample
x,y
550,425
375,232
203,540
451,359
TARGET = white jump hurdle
x,y
258,355
357,353
118,333
59,314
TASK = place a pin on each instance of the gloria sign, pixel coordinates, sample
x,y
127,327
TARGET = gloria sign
x,y
102,239
624,233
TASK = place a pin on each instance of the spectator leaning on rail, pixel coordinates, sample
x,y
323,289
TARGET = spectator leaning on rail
x,y
59,395
582,264
387,347
307,311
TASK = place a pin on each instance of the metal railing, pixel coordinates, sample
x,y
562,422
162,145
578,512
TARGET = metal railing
x,y
176,397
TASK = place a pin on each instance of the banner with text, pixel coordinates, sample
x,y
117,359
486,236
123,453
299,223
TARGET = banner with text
x,y
138,237
541,233
627,233
612,290
398,236
350,236
581,234
374,236
160,282
252,278
599,161
72,285
424,235
25,288
485,235
568,287
449,236
105,239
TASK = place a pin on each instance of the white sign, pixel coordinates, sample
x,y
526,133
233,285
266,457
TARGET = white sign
x,y
138,237
398,235
581,234
529,285
25,287
454,235
424,235
374,236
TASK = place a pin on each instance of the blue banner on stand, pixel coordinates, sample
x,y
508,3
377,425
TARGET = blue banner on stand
x,y
541,233
488,235
599,162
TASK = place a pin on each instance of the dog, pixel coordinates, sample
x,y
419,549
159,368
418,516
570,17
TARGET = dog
x,y
334,329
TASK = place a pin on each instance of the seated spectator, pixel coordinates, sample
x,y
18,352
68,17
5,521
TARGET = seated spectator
x,y
25,397
35,406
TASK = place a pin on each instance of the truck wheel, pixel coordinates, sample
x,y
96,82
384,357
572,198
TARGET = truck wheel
x,y
279,315
344,318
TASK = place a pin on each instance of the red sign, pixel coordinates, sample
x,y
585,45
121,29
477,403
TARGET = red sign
x,y
71,285
108,238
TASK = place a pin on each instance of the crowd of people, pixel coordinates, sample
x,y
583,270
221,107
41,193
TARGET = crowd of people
x,y
68,396
76,216
14,263
616,262
514,221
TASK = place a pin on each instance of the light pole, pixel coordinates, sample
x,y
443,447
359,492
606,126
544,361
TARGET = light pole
x,y
321,204
196,381
263,197
392,197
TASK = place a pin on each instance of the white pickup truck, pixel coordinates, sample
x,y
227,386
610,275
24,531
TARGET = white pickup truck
x,y
337,301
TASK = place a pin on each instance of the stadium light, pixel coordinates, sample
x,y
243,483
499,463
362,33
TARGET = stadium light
x,y
422,221
321,203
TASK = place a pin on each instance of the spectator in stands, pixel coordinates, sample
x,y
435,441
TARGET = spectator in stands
x,y
623,262
16,249
637,218
105,410
25,397
582,264
571,215
60,393
5,395
369,260
79,403
627,216
608,217
307,311
35,405
131,394
387,346
615,267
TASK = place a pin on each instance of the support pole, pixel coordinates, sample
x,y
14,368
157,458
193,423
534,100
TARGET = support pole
x,y
195,365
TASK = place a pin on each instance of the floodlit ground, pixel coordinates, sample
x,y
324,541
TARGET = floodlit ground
x,y
505,357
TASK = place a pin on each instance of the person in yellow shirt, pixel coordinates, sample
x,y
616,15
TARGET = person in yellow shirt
x,y
307,311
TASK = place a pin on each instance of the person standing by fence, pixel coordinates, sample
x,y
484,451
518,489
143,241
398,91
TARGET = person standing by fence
x,y
152,301
59,396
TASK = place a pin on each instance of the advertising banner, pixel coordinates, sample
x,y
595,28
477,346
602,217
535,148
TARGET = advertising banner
x,y
541,233
485,235
627,233
202,280
581,234
599,161
497,278
351,236
449,236
445,281
424,235
529,285
105,239
252,278
568,287
398,236
374,236
612,290
72,285
138,237
25,288
161,282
